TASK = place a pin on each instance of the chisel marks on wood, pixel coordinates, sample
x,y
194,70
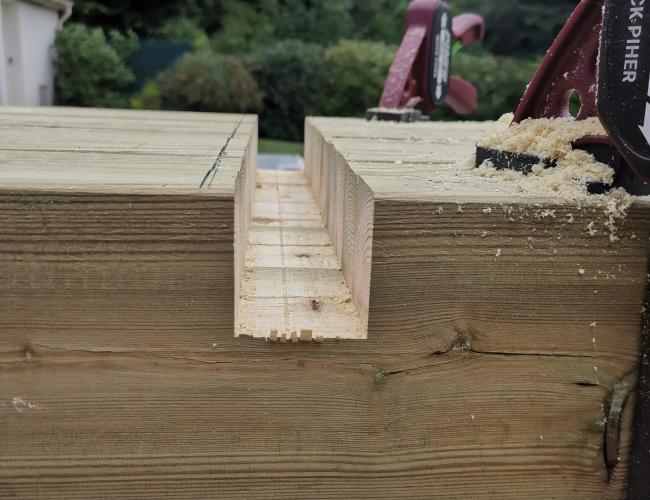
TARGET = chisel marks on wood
x,y
290,290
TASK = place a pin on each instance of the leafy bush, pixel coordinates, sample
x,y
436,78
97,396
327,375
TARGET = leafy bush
x,y
148,98
380,20
183,29
357,71
294,80
500,82
519,28
210,82
244,29
146,17
323,22
91,68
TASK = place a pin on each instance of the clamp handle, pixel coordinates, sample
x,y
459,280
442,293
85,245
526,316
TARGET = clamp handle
x,y
624,83
419,75
591,55
462,96
569,65
468,28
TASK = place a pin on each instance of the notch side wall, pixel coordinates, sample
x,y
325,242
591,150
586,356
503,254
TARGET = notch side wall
x,y
347,208
244,198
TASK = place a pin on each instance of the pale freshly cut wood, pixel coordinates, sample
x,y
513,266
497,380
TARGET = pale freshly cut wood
x,y
293,289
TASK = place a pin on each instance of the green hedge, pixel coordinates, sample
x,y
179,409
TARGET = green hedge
x,y
149,97
500,81
284,81
357,71
210,82
91,67
293,76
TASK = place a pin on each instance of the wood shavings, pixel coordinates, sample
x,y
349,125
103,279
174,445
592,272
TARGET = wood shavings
x,y
549,138
553,138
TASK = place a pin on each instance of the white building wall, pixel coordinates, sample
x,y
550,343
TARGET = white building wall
x,y
27,33
3,75
11,67
37,27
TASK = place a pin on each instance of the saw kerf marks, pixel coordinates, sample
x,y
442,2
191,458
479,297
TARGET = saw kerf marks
x,y
283,264
293,290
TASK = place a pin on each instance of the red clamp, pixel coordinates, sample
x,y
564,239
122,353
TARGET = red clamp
x,y
599,55
419,76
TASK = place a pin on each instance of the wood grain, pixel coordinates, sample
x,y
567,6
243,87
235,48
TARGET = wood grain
x,y
458,426
482,376
78,149
452,255
293,288
104,241
514,271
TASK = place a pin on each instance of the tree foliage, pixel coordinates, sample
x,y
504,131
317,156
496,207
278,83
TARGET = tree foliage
x,y
244,29
304,56
320,22
356,74
91,67
293,78
210,82
514,27
519,28
184,29
145,17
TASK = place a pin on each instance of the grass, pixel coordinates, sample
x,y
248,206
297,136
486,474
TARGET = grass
x,y
280,147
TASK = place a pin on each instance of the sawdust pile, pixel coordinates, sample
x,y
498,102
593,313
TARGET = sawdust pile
x,y
553,138
549,138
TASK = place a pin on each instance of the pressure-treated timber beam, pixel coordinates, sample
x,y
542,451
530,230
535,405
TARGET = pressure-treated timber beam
x,y
118,228
501,326
433,249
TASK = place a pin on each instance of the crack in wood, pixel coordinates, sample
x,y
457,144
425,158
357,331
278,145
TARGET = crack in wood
x,y
217,161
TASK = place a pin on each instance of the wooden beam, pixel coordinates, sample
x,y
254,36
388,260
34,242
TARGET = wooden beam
x,y
120,226
460,425
449,254
500,324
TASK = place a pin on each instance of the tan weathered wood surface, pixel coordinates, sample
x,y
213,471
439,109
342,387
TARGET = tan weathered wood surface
x,y
431,250
76,149
461,425
481,376
119,226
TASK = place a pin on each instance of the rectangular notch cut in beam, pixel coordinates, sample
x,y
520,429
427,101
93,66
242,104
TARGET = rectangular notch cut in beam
x,y
293,288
